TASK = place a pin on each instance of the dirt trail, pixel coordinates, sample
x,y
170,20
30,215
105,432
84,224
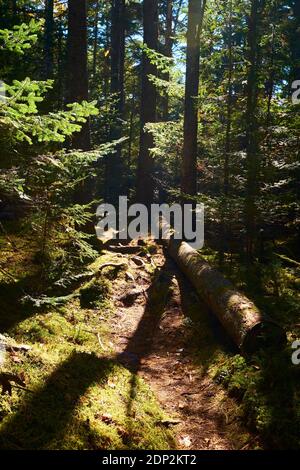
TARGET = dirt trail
x,y
152,337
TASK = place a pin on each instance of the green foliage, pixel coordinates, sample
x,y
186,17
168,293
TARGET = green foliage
x,y
266,387
20,119
77,399
172,88
20,37
49,181
94,293
162,62
52,182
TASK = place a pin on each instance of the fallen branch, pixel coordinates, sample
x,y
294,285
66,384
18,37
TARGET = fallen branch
x,y
138,261
288,260
6,273
100,342
51,301
113,265
66,281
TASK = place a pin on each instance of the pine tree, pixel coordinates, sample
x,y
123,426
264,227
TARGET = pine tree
x,y
189,164
145,185
77,77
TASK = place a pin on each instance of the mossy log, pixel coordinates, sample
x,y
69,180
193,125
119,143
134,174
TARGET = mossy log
x,y
249,328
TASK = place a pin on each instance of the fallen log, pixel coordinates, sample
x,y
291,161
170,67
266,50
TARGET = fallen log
x,y
249,328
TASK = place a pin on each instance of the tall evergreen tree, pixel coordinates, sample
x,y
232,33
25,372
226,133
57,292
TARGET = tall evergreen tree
x,y
168,46
252,137
77,76
295,41
189,163
145,186
113,174
49,31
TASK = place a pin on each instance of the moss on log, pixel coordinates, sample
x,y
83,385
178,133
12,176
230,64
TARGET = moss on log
x,y
249,328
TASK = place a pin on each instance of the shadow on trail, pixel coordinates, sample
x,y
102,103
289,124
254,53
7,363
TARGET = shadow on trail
x,y
12,311
207,335
140,345
158,294
41,420
200,334
43,416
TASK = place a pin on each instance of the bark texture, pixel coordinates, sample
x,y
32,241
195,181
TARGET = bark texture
x,y
49,30
252,123
148,105
77,65
114,161
189,163
168,53
249,328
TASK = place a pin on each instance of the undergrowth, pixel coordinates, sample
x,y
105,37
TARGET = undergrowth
x,y
266,386
78,395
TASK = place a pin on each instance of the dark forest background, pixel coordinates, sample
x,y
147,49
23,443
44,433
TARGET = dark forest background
x,y
162,101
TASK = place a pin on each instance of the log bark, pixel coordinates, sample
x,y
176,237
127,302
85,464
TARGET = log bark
x,y
248,327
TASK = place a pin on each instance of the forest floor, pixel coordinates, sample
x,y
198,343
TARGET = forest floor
x,y
167,337
134,361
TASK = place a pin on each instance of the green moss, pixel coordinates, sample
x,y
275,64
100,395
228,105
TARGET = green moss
x,y
78,396
267,389
94,292
82,402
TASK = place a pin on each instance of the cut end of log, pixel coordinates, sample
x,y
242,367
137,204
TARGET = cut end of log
x,y
264,335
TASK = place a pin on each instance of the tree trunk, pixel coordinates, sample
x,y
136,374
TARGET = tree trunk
x,y
189,164
114,170
49,29
295,42
252,138
131,128
106,65
77,86
145,187
118,54
271,80
95,40
245,324
224,208
168,53
60,66
229,105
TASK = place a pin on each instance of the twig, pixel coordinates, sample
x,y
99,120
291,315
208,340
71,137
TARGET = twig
x,y
22,388
288,260
6,273
100,342
114,265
